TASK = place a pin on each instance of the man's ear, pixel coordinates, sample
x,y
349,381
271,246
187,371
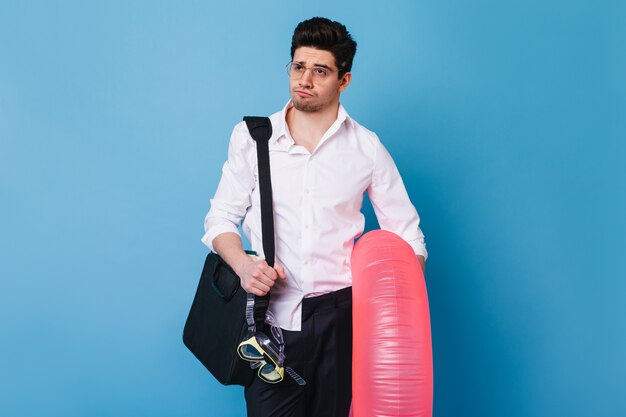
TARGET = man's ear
x,y
345,81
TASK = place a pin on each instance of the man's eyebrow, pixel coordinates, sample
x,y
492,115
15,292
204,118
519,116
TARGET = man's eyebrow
x,y
315,65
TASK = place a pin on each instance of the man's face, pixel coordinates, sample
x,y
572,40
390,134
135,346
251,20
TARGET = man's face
x,y
310,91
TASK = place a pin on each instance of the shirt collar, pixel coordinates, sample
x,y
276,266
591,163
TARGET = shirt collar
x,y
281,130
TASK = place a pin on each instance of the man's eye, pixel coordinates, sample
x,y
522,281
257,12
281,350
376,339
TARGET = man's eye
x,y
297,67
320,71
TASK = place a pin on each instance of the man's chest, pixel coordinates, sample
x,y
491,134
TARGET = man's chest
x,y
331,178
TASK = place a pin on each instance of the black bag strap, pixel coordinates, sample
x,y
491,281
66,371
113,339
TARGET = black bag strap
x,y
261,131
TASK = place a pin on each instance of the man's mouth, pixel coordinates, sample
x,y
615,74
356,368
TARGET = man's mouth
x,y
303,94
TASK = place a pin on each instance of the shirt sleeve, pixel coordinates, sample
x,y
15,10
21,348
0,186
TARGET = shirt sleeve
x,y
233,196
391,203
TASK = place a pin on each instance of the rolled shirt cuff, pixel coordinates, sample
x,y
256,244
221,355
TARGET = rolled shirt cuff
x,y
419,247
216,230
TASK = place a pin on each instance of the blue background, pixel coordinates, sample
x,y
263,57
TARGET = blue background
x,y
506,119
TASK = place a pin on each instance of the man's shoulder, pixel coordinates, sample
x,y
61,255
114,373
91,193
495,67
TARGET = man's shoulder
x,y
241,132
362,133
362,130
240,138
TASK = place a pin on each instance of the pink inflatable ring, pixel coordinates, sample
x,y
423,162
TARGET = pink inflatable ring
x,y
392,367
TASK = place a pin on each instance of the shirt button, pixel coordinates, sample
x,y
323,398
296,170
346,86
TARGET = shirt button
x,y
306,226
306,262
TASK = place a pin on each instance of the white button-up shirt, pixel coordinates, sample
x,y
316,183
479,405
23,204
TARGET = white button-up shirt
x,y
317,199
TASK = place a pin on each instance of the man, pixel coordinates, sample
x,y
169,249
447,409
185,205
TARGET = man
x,y
322,162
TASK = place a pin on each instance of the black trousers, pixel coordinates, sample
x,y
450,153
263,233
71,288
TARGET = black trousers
x,y
322,354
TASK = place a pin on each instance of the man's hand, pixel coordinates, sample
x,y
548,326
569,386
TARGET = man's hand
x,y
257,277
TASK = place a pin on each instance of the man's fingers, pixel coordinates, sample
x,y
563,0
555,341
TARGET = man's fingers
x,y
266,282
256,287
261,288
257,292
262,275
263,278
268,271
280,271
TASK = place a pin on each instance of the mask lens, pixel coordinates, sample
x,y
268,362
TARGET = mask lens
x,y
270,373
249,352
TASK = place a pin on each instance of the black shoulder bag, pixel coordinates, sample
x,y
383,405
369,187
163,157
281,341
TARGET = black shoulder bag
x,y
217,320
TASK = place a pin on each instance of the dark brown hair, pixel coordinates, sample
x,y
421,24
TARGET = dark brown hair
x,y
327,35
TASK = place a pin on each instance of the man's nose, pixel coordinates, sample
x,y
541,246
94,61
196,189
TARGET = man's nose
x,y
307,77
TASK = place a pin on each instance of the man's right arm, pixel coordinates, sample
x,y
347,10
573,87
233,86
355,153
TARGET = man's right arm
x,y
228,208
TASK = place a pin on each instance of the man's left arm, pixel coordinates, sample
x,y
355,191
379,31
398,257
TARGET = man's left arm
x,y
392,205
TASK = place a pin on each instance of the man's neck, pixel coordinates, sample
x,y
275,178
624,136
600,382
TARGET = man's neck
x,y
307,128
